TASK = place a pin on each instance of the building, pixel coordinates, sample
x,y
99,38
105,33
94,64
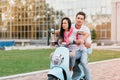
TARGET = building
x,y
25,20
32,19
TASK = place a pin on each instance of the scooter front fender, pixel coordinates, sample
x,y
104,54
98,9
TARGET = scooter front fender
x,y
57,72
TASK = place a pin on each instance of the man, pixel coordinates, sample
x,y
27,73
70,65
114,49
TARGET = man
x,y
83,42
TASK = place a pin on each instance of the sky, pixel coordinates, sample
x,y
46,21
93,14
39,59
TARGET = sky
x,y
61,4
71,7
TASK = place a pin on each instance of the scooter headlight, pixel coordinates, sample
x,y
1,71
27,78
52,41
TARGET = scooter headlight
x,y
56,60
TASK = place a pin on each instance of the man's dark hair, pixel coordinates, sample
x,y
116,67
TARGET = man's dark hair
x,y
81,13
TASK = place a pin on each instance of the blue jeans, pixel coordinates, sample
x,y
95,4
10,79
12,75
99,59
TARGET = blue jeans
x,y
82,54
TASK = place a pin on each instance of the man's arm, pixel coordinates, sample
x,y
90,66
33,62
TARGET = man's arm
x,y
85,35
87,44
83,40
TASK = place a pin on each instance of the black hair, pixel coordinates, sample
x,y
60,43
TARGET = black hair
x,y
81,13
62,30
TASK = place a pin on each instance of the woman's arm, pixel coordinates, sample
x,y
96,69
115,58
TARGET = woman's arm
x,y
53,37
57,32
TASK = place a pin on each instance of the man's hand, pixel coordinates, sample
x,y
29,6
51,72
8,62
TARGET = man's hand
x,y
80,41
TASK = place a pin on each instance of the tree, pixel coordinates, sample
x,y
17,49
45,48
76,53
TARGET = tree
x,y
93,34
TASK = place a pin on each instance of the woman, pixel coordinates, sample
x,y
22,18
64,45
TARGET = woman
x,y
65,33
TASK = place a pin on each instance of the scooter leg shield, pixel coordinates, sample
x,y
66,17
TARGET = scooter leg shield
x,y
78,72
57,72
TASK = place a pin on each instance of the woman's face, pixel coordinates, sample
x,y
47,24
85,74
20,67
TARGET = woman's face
x,y
65,25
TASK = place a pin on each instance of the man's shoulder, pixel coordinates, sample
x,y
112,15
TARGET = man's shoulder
x,y
84,26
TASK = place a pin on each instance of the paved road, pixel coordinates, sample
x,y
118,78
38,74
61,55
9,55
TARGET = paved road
x,y
108,70
104,70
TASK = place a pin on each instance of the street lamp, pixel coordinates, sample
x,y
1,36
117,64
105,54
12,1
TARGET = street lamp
x,y
48,20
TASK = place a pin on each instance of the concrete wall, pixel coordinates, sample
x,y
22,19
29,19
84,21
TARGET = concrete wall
x,y
115,25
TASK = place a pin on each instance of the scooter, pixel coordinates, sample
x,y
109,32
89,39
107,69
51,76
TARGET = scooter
x,y
59,66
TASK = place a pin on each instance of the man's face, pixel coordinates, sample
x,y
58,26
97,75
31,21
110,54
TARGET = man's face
x,y
79,20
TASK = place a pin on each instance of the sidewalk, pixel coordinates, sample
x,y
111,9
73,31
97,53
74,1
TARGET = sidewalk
x,y
107,47
102,70
27,47
43,47
106,70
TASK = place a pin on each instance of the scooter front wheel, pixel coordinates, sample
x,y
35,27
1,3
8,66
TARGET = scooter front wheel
x,y
51,77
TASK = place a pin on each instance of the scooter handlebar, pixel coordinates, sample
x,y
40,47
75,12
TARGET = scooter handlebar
x,y
65,45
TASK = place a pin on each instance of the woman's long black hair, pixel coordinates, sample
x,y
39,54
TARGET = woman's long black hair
x,y
61,36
